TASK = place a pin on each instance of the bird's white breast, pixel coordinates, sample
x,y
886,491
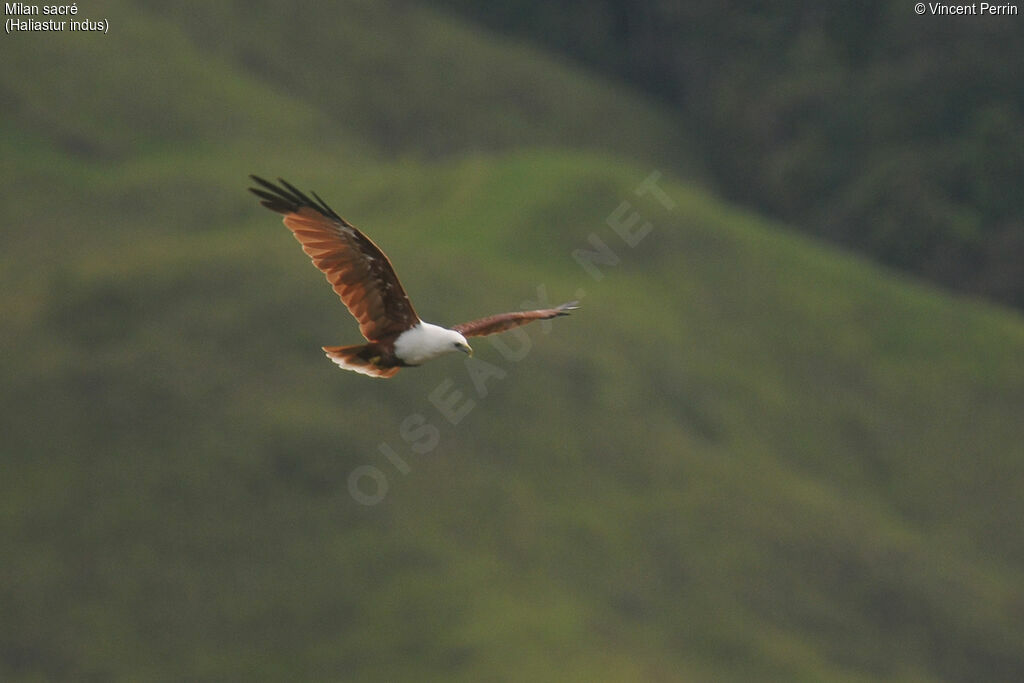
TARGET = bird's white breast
x,y
423,342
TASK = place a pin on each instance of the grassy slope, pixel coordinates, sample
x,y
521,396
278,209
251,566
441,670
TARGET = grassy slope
x,y
746,455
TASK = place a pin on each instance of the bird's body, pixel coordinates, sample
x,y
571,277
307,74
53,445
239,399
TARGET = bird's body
x,y
364,279
425,341
383,358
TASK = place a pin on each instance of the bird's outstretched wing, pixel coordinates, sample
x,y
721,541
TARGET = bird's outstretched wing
x,y
357,269
505,321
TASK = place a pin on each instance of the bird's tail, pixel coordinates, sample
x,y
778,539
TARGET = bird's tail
x,y
363,358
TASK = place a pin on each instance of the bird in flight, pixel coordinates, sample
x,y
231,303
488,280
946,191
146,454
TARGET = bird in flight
x,y
363,278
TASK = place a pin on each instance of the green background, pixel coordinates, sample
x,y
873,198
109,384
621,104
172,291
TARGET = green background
x,y
749,456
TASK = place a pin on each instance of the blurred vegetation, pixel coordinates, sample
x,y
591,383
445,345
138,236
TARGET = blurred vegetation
x,y
748,456
896,134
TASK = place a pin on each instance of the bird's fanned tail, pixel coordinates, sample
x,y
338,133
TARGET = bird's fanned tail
x,y
362,358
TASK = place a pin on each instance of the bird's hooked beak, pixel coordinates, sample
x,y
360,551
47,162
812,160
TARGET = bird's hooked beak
x,y
466,349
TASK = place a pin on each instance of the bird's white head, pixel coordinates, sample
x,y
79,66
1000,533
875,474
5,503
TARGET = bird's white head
x,y
426,341
459,343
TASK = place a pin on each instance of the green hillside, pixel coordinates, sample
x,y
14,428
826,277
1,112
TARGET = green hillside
x,y
747,457
863,123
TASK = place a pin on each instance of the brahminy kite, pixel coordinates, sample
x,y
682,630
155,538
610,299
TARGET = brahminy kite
x,y
363,278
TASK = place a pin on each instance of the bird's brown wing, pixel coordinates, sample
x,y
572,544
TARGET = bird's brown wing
x,y
357,269
506,321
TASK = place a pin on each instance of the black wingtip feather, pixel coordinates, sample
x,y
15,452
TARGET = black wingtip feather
x,y
262,194
286,198
302,199
326,209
